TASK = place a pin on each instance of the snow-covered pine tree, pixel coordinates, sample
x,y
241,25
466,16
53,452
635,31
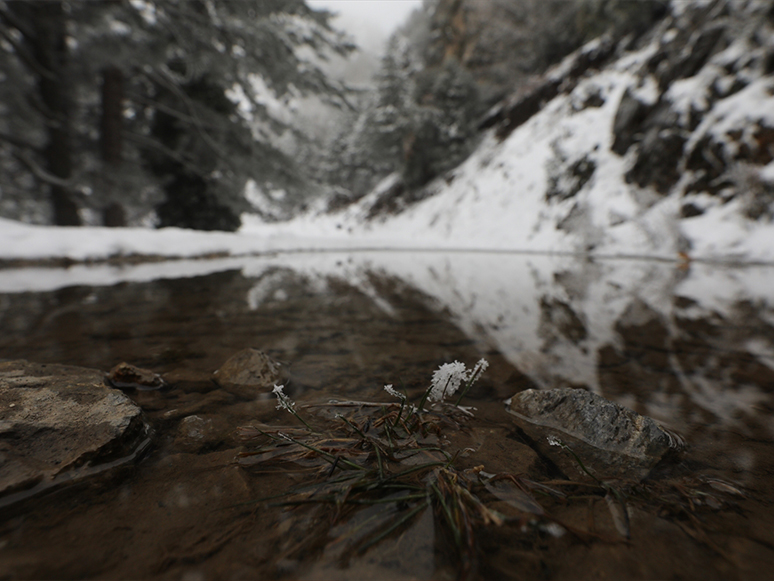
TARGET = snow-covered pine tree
x,y
170,104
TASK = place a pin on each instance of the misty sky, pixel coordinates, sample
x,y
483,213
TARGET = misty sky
x,y
369,21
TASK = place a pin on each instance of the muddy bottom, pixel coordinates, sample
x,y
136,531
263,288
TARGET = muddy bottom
x,y
693,349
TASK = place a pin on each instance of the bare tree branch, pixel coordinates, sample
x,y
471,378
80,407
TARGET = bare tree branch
x,y
223,155
40,173
19,142
22,52
146,141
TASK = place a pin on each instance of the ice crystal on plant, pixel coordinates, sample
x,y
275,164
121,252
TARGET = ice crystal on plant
x,y
283,401
553,441
389,389
446,380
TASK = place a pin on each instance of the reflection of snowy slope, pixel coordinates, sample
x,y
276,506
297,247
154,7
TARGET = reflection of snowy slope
x,y
562,322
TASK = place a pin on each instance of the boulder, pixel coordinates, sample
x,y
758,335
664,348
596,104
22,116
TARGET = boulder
x,y
249,373
60,424
612,442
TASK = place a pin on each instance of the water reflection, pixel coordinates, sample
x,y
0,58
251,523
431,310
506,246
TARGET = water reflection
x,y
685,345
680,344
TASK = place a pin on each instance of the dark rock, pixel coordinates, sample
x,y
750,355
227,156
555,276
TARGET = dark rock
x,y
628,122
612,441
690,61
126,376
689,210
250,373
526,103
594,100
533,95
566,184
60,424
711,158
658,160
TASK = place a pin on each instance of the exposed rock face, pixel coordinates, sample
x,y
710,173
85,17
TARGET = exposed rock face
x,y
60,424
711,66
503,43
250,372
532,96
612,441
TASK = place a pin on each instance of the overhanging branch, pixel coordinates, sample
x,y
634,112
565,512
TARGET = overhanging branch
x,y
40,173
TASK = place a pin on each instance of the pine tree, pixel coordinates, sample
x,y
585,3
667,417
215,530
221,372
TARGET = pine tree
x,y
171,104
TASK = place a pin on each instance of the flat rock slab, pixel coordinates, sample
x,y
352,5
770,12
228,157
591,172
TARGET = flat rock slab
x,y
59,424
610,440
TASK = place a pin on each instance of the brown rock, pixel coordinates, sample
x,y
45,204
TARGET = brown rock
x,y
249,373
60,424
126,376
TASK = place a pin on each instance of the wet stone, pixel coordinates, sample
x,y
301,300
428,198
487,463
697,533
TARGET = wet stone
x,y
60,424
195,433
612,441
249,373
127,376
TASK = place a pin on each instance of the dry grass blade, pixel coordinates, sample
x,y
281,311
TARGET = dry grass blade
x,y
620,514
509,492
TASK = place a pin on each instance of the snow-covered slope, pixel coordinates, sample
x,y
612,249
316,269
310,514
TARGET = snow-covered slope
x,y
661,148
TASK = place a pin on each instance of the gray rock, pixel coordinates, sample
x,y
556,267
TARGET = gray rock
x,y
60,424
249,373
612,441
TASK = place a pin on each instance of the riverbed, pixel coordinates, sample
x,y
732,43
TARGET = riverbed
x,y
688,344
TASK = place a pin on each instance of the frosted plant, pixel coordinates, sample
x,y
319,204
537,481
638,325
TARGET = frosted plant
x,y
393,392
554,441
448,378
285,403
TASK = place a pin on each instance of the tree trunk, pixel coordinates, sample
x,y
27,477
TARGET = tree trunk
x,y
112,115
111,142
49,47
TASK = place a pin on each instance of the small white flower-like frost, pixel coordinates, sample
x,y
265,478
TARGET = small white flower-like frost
x,y
283,401
393,392
554,441
446,380
483,364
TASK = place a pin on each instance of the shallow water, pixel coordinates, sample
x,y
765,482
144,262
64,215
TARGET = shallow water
x,y
689,345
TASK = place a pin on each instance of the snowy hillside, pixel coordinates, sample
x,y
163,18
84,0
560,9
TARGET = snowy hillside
x,y
653,150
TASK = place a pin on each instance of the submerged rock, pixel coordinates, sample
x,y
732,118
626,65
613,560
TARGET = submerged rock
x,y
612,441
126,376
60,424
249,373
196,433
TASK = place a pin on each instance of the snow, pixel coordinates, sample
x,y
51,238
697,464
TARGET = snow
x,y
497,200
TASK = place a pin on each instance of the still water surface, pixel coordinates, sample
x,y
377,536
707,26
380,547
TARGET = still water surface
x,y
689,345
